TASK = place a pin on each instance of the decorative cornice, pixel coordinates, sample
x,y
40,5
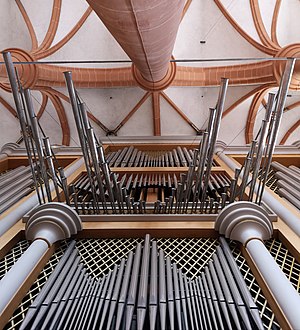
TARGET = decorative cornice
x,y
52,222
222,147
244,221
14,149
11,148
296,143
176,139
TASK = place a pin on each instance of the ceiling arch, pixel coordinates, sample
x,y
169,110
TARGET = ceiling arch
x,y
48,79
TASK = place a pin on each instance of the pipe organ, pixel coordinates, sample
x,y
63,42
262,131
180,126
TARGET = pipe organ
x,y
175,299
287,182
100,207
14,185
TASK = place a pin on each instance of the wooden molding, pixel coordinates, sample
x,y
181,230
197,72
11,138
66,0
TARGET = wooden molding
x,y
20,294
9,239
280,316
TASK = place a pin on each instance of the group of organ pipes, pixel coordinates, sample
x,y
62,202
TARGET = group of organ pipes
x,y
156,192
195,190
199,190
104,191
45,170
145,291
288,182
14,185
133,157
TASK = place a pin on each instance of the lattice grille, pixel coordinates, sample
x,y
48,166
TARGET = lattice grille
x,y
12,256
19,314
100,255
266,313
286,261
191,254
271,181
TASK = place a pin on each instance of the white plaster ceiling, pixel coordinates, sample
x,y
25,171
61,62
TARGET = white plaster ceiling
x,y
202,22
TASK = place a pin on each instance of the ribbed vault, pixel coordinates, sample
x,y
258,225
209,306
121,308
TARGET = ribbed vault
x,y
147,32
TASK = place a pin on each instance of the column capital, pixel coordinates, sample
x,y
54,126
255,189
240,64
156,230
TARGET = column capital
x,y
10,148
220,146
52,222
243,221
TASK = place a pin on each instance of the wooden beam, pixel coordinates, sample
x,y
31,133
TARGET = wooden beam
x,y
279,314
3,163
156,113
289,132
186,7
98,122
181,114
10,238
123,229
215,169
26,285
287,236
8,107
132,112
253,111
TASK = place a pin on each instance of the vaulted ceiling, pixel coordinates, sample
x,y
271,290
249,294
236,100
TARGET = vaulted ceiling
x,y
119,98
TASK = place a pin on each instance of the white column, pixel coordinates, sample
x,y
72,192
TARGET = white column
x,y
285,294
18,274
48,223
249,224
290,218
